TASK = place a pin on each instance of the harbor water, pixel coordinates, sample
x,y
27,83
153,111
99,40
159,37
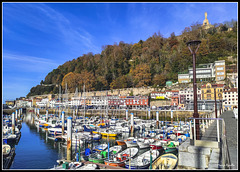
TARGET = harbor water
x,y
34,151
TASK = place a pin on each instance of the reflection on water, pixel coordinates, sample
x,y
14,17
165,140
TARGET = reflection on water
x,y
36,151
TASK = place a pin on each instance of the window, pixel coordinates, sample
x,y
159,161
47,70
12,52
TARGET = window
x,y
220,68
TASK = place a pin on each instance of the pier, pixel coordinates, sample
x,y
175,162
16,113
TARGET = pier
x,y
216,148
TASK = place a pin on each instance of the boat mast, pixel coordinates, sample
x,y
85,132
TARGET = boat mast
x,y
84,101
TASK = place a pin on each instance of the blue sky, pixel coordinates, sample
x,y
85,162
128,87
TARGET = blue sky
x,y
38,37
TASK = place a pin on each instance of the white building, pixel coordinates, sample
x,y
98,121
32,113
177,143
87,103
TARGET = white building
x,y
205,72
230,95
161,95
186,95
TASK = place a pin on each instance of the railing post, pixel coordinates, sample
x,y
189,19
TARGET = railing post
x,y
195,136
203,128
218,130
191,133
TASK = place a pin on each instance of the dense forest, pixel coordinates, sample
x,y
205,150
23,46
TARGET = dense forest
x,y
146,63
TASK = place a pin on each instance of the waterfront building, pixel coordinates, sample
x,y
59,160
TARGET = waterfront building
x,y
23,103
42,103
137,101
230,95
233,78
174,100
10,102
171,93
207,91
205,72
186,94
158,95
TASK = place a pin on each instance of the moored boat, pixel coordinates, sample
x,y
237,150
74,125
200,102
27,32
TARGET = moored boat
x,y
118,160
143,161
166,161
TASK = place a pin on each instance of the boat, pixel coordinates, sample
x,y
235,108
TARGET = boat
x,y
143,161
99,157
100,147
6,149
143,143
71,166
121,142
171,148
131,142
166,161
109,133
89,128
118,160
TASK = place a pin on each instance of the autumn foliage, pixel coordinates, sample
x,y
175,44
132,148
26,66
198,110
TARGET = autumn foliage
x,y
147,63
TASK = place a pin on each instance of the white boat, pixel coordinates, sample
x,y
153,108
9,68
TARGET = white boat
x,y
143,161
131,142
143,143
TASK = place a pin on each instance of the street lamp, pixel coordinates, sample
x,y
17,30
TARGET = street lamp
x,y
193,47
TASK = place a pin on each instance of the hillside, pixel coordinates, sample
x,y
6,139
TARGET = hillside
x,y
146,63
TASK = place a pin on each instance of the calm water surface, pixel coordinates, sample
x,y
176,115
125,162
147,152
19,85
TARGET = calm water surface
x,y
33,150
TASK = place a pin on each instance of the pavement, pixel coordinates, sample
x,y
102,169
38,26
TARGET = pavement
x,y
231,125
232,137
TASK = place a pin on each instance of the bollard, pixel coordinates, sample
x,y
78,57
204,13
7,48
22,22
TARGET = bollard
x,y
47,115
63,124
132,127
171,117
13,123
157,118
126,115
69,138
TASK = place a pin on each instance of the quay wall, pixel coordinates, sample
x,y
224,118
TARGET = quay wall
x,y
180,114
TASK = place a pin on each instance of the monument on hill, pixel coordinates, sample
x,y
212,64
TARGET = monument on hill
x,y
206,24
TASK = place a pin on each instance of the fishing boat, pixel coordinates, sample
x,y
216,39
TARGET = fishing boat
x,y
143,161
166,161
118,160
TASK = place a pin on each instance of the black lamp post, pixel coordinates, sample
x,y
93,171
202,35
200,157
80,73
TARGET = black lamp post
x,y
193,47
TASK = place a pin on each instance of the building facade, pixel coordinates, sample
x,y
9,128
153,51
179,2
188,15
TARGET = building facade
x,y
205,72
230,95
207,91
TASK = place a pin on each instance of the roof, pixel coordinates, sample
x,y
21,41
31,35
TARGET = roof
x,y
214,85
232,90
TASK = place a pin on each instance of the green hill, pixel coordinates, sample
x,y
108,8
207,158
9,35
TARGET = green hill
x,y
146,63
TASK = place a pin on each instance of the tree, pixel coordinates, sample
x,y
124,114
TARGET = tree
x,y
141,75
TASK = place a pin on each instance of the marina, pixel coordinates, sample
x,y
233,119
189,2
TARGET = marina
x,y
95,140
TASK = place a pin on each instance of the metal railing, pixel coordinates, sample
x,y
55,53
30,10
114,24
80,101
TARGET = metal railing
x,y
208,136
